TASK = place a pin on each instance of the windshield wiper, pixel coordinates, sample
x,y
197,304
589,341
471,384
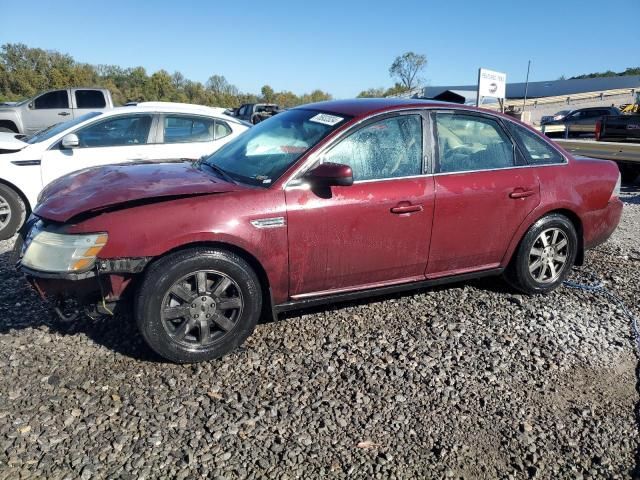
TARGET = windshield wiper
x,y
221,173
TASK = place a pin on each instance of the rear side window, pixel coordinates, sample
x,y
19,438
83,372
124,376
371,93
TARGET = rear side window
x,y
180,129
116,132
471,143
222,129
90,99
57,99
389,148
538,151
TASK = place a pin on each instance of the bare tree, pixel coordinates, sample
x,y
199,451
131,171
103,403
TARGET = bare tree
x,y
406,68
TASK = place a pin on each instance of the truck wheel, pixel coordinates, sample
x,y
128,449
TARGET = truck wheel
x,y
12,212
198,304
545,255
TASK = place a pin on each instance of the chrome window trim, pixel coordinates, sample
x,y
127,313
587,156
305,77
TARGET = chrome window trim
x,y
515,167
314,156
545,139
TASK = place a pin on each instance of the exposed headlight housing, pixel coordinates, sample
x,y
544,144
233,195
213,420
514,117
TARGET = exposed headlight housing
x,y
60,253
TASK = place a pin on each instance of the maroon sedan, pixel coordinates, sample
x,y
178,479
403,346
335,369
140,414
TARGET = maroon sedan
x,y
321,203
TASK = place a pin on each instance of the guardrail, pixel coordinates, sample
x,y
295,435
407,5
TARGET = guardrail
x,y
625,152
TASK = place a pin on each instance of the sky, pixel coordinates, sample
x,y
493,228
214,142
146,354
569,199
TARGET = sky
x,y
341,47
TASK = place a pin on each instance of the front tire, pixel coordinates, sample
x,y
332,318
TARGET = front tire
x,y
545,255
12,212
198,304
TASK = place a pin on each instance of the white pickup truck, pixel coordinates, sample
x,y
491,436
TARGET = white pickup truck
x,y
51,107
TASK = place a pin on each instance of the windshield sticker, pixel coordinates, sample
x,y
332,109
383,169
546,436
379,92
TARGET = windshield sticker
x,y
326,119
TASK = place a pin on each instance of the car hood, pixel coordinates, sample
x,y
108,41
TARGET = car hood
x,y
10,141
100,188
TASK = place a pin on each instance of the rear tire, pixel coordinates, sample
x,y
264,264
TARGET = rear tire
x,y
12,212
545,255
198,304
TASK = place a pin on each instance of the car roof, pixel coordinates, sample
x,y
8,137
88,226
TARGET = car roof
x,y
592,108
173,107
360,107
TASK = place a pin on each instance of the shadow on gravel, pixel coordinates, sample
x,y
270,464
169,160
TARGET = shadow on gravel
x,y
490,284
21,308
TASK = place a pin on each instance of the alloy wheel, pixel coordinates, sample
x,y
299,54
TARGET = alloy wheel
x,y
548,255
201,308
5,213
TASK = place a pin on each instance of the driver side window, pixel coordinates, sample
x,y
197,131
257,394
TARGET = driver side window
x,y
390,148
115,132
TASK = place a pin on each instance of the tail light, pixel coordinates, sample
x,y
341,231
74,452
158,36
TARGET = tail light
x,y
598,129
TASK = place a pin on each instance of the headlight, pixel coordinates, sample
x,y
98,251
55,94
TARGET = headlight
x,y
56,252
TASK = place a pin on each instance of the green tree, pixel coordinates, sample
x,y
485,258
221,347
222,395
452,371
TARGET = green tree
x,y
268,95
372,93
406,68
26,71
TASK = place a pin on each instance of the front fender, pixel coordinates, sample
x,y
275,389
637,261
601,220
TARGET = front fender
x,y
157,229
14,117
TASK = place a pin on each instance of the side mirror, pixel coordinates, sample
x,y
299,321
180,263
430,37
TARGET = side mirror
x,y
30,105
330,174
70,140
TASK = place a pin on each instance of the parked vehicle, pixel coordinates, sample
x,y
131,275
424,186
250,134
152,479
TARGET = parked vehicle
x,y
52,107
256,112
618,128
146,132
324,202
581,121
556,116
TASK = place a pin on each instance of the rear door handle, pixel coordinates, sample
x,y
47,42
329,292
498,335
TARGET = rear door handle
x,y
403,208
64,114
521,193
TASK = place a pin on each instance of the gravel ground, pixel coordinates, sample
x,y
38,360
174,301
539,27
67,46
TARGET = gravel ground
x,y
468,381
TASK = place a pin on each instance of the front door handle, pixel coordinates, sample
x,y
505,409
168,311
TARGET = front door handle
x,y
521,193
406,208
64,114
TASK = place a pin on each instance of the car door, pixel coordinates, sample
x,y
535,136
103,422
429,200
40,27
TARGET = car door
x,y
482,193
373,232
116,139
47,109
188,136
85,101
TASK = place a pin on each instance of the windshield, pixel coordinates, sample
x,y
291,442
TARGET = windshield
x,y
263,153
57,128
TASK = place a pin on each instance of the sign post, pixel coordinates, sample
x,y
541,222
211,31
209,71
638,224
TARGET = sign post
x,y
491,84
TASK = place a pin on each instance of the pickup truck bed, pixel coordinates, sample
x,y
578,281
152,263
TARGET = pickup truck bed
x,y
616,128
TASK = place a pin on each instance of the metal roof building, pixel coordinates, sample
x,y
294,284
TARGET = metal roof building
x,y
544,89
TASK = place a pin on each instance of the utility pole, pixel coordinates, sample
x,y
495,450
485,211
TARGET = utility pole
x,y
526,88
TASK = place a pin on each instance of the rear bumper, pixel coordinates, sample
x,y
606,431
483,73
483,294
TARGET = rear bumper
x,y
600,224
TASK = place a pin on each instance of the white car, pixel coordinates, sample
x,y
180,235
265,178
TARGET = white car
x,y
150,131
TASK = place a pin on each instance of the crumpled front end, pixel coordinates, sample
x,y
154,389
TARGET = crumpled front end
x,y
72,283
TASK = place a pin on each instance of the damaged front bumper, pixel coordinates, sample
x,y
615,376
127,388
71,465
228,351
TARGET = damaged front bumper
x,y
95,292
